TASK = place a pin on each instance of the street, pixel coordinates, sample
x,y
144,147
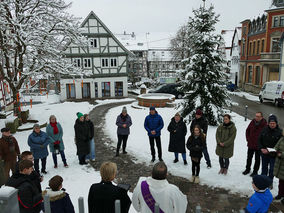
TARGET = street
x,y
253,107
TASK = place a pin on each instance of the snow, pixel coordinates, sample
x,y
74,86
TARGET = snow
x,y
139,147
245,95
77,178
5,191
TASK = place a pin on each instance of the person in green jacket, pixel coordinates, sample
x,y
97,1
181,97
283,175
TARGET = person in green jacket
x,y
225,137
279,168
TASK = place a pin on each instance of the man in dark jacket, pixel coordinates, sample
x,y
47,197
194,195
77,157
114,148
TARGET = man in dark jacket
x,y
201,121
267,140
102,196
153,124
29,197
9,150
252,133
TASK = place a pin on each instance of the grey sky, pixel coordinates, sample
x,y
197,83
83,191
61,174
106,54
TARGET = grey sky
x,y
164,15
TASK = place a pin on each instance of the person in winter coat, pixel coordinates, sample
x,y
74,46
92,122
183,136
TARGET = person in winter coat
x,y
102,196
56,146
60,201
91,155
195,144
38,142
82,138
30,199
123,122
267,140
178,130
252,133
9,150
262,197
225,137
279,168
154,124
156,189
201,121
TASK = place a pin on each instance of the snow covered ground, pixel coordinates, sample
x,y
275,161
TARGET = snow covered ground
x,y
77,178
138,146
246,96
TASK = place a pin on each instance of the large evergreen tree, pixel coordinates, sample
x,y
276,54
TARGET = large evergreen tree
x,y
204,78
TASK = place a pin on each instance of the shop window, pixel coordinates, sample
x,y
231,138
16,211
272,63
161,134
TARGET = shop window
x,y
86,90
105,89
118,88
70,90
96,90
249,77
257,75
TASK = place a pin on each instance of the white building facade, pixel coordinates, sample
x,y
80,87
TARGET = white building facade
x,y
235,56
105,60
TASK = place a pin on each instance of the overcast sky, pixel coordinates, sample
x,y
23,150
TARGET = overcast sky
x,y
141,16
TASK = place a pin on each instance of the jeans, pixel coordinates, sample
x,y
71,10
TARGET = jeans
x,y
158,144
250,154
123,139
267,160
43,165
54,156
224,162
182,154
206,156
91,156
195,167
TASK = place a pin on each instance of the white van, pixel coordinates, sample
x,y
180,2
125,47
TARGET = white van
x,y
272,91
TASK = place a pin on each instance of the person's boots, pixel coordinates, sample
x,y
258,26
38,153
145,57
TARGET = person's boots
x,y
153,159
254,173
221,171
246,171
191,180
196,179
225,172
176,160
184,162
117,154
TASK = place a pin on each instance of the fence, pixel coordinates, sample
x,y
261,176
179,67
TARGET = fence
x,y
9,204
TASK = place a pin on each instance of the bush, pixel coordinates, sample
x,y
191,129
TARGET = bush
x,y
25,116
13,126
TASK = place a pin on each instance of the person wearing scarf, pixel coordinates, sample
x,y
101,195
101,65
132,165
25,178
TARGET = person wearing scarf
x,y
123,122
55,134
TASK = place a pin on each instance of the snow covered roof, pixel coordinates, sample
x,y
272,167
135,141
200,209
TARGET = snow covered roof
x,y
160,55
227,36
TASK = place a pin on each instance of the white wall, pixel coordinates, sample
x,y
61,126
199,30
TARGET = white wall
x,y
235,60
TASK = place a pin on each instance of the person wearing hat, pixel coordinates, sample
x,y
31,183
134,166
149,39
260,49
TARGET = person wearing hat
x,y
59,199
178,130
82,138
38,141
262,197
154,124
9,150
91,155
201,121
123,122
267,140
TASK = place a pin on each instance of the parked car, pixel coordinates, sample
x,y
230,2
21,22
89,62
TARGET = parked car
x,y
232,87
168,88
272,91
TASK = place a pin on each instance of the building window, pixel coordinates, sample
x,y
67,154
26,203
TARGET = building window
x,y
275,21
104,62
249,77
77,62
253,48
113,62
96,90
275,47
257,75
258,47
250,48
153,53
93,43
244,31
281,21
262,45
118,88
163,53
243,47
86,93
177,66
87,63
105,89
70,91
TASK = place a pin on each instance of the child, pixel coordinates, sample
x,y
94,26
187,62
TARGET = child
x,y
262,198
59,199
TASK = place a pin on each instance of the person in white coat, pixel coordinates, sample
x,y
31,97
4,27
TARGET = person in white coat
x,y
156,189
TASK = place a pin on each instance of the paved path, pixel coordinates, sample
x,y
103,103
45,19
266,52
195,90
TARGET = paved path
x,y
129,171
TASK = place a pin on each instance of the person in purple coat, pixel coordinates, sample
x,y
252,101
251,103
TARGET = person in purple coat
x,y
123,122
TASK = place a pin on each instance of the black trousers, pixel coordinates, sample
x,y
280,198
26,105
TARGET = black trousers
x,y
82,159
158,144
250,154
195,167
224,163
43,165
121,138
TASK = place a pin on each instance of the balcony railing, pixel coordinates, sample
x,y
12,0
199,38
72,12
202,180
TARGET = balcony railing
x,y
270,56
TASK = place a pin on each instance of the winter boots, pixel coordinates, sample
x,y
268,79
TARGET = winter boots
x,y
246,171
184,162
196,179
176,160
223,171
191,180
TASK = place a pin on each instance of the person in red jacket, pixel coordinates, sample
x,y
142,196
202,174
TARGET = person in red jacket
x,y
252,132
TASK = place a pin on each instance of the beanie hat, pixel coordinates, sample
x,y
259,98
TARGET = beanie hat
x,y
55,182
152,108
272,118
124,109
198,112
5,129
79,114
261,181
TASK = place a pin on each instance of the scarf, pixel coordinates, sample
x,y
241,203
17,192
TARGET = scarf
x,y
55,129
123,118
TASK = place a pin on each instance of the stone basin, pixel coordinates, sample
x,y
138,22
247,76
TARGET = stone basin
x,y
155,99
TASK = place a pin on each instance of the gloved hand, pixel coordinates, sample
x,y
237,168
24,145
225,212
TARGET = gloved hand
x,y
42,146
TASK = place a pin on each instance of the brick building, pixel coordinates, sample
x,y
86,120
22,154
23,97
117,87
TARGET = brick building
x,y
260,49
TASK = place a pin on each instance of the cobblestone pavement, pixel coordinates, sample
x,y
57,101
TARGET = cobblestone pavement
x,y
129,171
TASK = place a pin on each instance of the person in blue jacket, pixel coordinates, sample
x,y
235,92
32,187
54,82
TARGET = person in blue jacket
x,y
60,201
262,198
153,124
38,142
